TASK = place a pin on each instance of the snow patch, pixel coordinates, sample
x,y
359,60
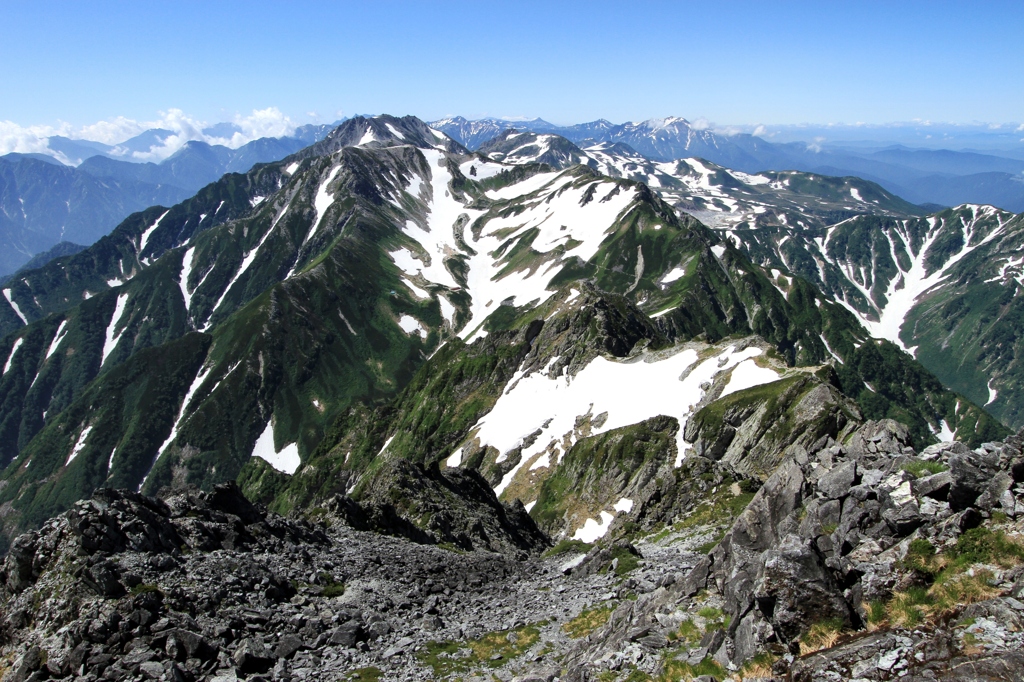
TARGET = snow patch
x,y
144,239
79,445
17,310
672,275
186,270
447,309
748,374
322,202
111,339
623,505
528,186
628,392
285,460
592,530
57,338
992,393
484,169
410,324
10,358
196,383
292,167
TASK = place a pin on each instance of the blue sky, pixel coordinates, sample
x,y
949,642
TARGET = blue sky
x,y
732,63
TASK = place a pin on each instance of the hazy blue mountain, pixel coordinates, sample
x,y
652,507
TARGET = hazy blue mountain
x,y
45,204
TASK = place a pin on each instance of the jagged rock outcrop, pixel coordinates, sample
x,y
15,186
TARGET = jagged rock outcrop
x,y
456,506
834,529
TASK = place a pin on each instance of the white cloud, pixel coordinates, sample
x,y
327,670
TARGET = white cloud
x,y
760,130
269,122
816,145
701,124
1020,128
30,139
110,132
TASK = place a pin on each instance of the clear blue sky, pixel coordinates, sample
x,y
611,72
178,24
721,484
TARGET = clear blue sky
x,y
731,62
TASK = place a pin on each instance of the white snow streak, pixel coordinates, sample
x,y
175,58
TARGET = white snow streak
x,y
196,383
79,444
186,270
17,310
144,239
111,340
10,358
992,393
57,338
322,202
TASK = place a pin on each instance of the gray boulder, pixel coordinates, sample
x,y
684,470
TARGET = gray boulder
x,y
971,473
837,482
793,589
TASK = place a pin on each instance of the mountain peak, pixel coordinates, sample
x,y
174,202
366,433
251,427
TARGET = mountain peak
x,y
383,131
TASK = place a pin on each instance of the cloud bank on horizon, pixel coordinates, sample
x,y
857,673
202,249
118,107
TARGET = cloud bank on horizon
x,y
182,128
178,129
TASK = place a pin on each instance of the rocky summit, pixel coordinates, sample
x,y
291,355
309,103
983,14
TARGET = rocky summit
x,y
861,559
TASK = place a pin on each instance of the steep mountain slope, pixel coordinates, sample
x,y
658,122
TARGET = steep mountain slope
x,y
951,273
941,286
325,280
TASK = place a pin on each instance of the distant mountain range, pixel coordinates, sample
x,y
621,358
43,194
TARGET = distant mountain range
x,y
44,202
942,177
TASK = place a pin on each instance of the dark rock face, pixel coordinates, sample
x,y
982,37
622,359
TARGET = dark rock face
x,y
794,590
971,473
460,505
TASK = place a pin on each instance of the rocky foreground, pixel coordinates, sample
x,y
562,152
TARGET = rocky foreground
x,y
861,560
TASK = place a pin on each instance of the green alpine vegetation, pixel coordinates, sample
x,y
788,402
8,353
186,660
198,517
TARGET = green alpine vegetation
x,y
371,303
